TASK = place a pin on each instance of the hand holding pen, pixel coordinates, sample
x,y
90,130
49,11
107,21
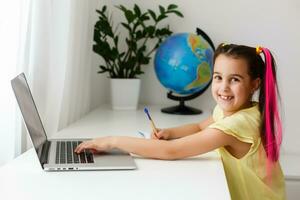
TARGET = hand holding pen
x,y
157,133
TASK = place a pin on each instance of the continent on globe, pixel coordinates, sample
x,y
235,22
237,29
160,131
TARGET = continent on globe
x,y
203,76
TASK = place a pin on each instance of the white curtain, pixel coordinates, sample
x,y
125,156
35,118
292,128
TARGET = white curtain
x,y
9,28
60,48
55,49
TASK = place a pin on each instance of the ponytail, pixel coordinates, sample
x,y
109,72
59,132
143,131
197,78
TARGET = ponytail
x,y
272,126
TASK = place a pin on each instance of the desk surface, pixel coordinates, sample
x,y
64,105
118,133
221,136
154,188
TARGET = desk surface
x,y
200,177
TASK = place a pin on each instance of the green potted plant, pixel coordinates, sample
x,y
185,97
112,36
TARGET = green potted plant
x,y
123,63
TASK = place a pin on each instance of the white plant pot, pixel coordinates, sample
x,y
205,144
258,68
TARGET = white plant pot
x,y
125,93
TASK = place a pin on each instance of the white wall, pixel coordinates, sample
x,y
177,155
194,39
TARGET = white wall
x,y
271,23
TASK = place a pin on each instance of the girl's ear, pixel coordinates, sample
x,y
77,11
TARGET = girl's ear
x,y
256,84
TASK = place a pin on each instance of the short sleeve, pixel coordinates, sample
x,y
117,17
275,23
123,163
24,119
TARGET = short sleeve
x,y
242,125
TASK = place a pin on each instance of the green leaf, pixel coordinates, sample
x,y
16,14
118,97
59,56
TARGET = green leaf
x,y
140,52
144,17
105,27
172,6
103,69
129,16
164,31
114,54
157,45
178,13
133,45
104,8
131,62
137,24
97,36
103,49
161,17
139,34
137,10
116,39
161,9
126,26
150,30
127,41
122,8
99,12
145,60
153,15
144,33
102,14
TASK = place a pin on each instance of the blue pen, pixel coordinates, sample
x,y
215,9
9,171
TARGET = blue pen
x,y
152,123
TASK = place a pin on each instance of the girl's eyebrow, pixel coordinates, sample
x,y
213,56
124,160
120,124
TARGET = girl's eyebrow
x,y
237,75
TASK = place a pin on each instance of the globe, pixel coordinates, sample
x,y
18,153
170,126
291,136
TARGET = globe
x,y
183,63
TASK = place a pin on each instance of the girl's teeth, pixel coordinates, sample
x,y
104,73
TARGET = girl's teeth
x,y
225,97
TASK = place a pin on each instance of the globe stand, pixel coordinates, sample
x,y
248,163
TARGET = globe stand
x,y
182,109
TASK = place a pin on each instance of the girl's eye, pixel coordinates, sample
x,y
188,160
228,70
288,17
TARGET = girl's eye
x,y
235,80
217,77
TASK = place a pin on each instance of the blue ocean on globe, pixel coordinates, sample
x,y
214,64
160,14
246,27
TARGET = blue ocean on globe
x,y
183,63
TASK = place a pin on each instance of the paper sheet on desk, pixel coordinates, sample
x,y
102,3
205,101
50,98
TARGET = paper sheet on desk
x,y
144,134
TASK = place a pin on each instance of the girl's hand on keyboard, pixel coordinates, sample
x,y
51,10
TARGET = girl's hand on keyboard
x,y
95,145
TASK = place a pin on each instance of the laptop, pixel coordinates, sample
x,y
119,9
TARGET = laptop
x,y
58,155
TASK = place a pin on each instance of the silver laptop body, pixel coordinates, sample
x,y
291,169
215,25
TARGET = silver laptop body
x,y
58,155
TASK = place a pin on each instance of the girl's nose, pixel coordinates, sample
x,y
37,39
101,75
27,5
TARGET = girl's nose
x,y
224,86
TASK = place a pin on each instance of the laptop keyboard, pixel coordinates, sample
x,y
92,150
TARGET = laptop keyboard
x,y
65,153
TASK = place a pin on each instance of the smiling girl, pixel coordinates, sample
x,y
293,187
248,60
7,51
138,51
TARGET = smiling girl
x,y
247,134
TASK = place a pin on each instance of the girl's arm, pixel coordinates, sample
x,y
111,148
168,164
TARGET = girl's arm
x,y
195,144
185,130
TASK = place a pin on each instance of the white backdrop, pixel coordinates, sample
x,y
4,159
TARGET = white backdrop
x,y
271,23
56,54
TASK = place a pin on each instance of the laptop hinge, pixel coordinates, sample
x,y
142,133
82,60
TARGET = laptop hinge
x,y
45,152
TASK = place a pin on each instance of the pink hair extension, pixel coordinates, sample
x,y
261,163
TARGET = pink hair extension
x,y
273,126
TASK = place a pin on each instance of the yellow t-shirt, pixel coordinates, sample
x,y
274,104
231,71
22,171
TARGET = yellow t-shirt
x,y
246,177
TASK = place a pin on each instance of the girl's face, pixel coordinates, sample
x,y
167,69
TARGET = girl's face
x,y
232,87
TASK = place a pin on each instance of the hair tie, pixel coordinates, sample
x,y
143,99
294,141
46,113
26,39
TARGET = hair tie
x,y
224,44
258,50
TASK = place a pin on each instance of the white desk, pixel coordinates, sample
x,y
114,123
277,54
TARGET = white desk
x,y
200,177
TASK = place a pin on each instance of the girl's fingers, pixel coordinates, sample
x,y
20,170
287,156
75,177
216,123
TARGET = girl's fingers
x,y
153,136
156,135
159,134
77,148
82,146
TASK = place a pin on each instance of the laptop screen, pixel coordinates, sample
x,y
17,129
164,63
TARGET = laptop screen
x,y
30,113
